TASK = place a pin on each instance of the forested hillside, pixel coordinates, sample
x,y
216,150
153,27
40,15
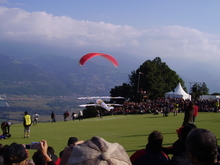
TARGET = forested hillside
x,y
56,75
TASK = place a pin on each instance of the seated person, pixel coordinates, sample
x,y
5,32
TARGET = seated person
x,y
178,149
152,154
70,141
95,151
15,154
41,156
202,147
51,153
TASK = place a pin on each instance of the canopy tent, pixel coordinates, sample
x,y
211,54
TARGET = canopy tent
x,y
178,92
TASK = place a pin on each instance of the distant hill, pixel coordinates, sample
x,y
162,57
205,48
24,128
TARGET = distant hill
x,y
56,75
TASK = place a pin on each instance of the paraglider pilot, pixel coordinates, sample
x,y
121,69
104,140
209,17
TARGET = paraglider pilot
x,y
5,126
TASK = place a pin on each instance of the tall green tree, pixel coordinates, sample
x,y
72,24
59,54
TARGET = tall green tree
x,y
124,90
199,89
156,80
154,77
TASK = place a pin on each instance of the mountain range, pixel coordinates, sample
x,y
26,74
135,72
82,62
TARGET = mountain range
x,y
57,75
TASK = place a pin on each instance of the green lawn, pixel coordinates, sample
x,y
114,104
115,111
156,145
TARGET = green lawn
x,y
130,131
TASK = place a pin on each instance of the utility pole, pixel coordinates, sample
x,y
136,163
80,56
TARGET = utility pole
x,y
139,73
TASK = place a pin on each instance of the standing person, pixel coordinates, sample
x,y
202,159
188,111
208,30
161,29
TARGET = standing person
x,y
195,112
53,117
216,105
80,116
35,118
27,124
5,126
73,116
66,115
188,115
176,109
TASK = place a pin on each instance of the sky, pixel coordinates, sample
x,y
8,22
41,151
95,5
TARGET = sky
x,y
184,34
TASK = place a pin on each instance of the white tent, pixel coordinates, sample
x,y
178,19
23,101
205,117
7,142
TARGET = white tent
x,y
178,92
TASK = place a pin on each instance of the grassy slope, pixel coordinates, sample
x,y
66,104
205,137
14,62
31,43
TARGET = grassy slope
x,y
130,131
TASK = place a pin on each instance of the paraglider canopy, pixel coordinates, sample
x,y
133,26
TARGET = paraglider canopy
x,y
86,57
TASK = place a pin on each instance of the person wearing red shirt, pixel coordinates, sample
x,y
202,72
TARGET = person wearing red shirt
x,y
195,112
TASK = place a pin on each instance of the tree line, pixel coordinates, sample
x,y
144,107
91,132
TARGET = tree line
x,y
153,79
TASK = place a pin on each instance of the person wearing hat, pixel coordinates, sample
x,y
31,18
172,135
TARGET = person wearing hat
x,y
5,126
178,149
27,124
95,151
15,154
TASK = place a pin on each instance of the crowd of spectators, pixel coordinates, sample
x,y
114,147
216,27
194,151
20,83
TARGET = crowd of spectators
x,y
161,105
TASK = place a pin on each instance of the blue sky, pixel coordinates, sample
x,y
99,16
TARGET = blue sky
x,y
185,34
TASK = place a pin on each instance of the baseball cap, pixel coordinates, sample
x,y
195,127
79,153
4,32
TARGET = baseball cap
x,y
15,153
98,151
184,130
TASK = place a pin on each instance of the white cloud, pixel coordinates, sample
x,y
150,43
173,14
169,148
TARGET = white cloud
x,y
40,25
178,46
164,41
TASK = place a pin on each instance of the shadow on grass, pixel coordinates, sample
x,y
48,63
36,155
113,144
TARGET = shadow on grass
x,y
131,150
151,117
169,133
145,135
199,121
167,144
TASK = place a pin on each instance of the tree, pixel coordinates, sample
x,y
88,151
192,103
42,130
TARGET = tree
x,y
154,77
156,80
199,89
215,93
89,112
123,91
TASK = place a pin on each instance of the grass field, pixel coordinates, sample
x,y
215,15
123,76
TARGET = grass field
x,y
130,131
